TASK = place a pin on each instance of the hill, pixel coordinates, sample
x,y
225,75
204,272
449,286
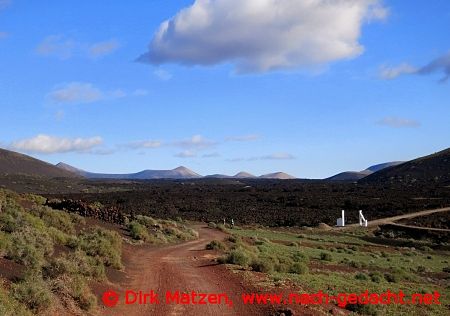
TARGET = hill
x,y
358,175
277,175
13,163
177,173
433,168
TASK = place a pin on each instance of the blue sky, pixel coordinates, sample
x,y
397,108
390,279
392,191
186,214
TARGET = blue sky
x,y
312,90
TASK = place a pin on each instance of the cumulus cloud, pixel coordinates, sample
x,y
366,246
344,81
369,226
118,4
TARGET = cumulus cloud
x,y
45,144
438,65
64,48
195,142
397,122
103,48
243,138
263,35
186,154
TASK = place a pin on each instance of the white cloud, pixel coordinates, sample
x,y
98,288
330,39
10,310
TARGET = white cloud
x,y
162,74
64,48
274,156
398,122
76,92
186,154
196,141
58,46
144,144
243,138
211,155
83,92
278,156
103,48
263,35
45,144
394,72
439,64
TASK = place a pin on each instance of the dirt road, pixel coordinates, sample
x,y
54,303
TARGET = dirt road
x,y
184,267
389,220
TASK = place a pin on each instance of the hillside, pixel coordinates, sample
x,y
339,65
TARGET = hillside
x,y
13,163
434,168
357,175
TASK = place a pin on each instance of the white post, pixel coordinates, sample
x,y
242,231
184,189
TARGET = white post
x,y
362,220
343,218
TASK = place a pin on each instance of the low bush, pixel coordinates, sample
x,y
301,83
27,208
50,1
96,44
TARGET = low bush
x,y
361,276
298,268
238,256
138,231
260,265
376,277
215,245
102,244
33,292
325,256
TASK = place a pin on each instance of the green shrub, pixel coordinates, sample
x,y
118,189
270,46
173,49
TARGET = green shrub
x,y
103,244
215,245
361,276
392,277
376,277
326,256
10,306
260,265
362,309
238,256
138,231
299,257
29,246
298,268
446,269
33,292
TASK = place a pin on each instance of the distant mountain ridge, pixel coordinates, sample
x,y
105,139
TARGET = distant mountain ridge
x,y
358,175
177,173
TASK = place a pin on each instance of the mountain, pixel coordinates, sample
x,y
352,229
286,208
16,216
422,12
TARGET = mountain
x,y
246,175
358,175
277,175
385,165
433,168
350,175
243,175
13,163
177,173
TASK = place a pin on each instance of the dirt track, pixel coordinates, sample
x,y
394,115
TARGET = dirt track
x,y
390,220
184,267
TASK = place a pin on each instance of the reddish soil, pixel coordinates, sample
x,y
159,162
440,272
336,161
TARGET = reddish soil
x,y
184,267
